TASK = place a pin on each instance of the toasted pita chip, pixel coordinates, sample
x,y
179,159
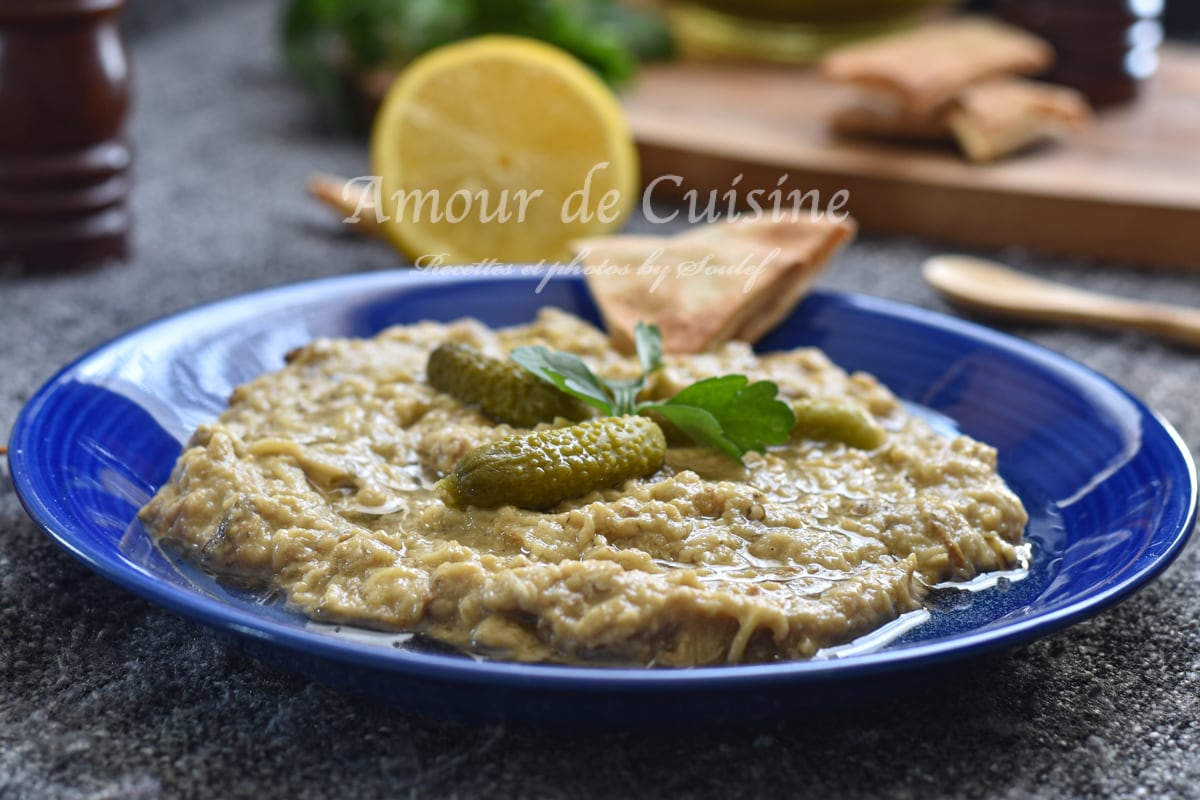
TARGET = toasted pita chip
x,y
724,281
804,243
876,121
927,67
694,291
1002,116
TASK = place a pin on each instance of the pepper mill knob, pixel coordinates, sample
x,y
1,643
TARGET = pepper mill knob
x,y
64,159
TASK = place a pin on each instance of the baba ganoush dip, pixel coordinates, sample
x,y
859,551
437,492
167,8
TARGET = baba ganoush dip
x,y
318,481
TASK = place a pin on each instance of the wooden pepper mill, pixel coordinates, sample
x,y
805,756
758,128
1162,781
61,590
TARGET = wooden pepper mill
x,y
64,160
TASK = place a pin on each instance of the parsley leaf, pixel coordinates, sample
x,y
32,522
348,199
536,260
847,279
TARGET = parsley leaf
x,y
748,415
567,372
699,424
727,413
649,347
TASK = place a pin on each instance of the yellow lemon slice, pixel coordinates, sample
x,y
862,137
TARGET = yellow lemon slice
x,y
500,148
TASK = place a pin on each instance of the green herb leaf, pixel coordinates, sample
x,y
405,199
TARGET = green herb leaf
x,y
649,347
642,30
749,414
700,425
567,372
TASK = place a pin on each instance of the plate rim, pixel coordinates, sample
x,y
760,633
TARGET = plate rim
x,y
228,619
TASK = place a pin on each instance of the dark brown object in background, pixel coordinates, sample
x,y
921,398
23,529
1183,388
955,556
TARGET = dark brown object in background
x,y
1106,48
64,160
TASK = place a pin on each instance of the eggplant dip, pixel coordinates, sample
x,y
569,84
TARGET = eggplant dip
x,y
371,497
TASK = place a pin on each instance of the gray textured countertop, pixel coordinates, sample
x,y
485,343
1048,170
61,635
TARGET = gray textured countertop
x,y
103,695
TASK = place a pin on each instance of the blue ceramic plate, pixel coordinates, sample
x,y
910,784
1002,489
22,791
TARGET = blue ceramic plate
x,y
1110,489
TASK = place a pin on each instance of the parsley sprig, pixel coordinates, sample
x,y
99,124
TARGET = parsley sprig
x,y
727,413
328,41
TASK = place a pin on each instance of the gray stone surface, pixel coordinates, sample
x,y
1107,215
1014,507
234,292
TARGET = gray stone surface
x,y
144,17
105,696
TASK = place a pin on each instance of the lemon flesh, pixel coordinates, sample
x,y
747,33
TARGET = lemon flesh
x,y
501,148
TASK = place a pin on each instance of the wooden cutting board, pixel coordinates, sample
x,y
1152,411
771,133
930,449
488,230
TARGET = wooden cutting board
x,y
1127,189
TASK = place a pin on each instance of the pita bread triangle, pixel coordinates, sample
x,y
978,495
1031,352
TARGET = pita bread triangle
x,y
728,280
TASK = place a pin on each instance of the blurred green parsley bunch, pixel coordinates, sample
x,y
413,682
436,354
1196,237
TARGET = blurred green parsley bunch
x,y
327,40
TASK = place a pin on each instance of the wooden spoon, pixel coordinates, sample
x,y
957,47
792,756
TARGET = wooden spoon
x,y
987,286
347,198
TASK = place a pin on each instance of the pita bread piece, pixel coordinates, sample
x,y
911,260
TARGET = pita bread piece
x,y
927,67
806,244
1000,117
891,122
720,282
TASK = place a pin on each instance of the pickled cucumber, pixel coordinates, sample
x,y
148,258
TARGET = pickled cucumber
x,y
538,470
503,390
836,422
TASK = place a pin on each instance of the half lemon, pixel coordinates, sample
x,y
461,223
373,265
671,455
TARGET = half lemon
x,y
500,148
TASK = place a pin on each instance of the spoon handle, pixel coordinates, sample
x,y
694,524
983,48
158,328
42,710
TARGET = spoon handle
x,y
986,286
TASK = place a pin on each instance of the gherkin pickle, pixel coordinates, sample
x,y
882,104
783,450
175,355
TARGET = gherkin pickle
x,y
502,390
541,469
836,422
